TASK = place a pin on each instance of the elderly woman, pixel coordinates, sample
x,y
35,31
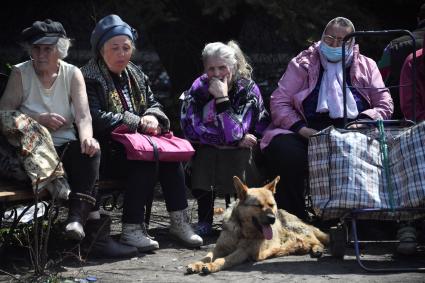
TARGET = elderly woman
x,y
406,90
223,115
119,93
407,233
309,99
51,93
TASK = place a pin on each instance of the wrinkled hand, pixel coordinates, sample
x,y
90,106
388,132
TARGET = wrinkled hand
x,y
52,121
248,141
149,125
307,132
90,146
218,88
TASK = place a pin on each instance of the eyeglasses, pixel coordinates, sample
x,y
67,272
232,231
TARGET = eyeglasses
x,y
329,40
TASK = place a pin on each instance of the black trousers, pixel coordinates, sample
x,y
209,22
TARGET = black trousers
x,y
140,182
286,156
140,179
205,201
82,170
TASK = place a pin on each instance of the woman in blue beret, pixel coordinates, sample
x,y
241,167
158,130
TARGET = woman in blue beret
x,y
49,93
119,93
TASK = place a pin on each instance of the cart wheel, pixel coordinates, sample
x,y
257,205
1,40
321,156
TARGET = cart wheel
x,y
338,240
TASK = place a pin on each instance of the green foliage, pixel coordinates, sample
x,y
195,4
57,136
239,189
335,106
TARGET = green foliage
x,y
20,234
5,68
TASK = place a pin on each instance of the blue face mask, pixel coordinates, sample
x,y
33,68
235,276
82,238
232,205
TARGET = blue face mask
x,y
333,54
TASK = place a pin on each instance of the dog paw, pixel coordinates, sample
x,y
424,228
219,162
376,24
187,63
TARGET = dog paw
x,y
316,252
193,268
190,270
205,270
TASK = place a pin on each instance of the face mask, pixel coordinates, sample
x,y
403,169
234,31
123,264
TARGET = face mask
x,y
333,54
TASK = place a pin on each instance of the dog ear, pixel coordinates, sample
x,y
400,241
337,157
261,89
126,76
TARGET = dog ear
x,y
241,188
272,185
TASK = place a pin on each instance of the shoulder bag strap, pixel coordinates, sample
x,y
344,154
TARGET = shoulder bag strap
x,y
149,200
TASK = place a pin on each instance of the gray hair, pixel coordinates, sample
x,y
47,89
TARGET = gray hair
x,y
342,22
62,46
232,55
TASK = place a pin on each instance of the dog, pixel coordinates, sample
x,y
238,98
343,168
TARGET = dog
x,y
253,228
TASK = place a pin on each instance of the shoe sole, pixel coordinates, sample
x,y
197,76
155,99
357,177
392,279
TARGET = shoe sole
x,y
147,249
186,244
142,249
73,235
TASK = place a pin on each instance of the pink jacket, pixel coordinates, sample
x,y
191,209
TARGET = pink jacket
x,y
301,77
406,91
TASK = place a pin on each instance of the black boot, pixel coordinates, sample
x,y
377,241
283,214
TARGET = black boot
x,y
99,243
80,206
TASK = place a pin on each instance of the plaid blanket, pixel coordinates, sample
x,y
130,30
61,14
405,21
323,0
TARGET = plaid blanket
x,y
346,171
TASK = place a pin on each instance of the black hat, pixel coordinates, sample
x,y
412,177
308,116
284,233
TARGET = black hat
x,y
43,32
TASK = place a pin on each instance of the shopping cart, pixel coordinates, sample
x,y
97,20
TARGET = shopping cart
x,y
379,137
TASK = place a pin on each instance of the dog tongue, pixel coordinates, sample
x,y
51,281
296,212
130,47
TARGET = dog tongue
x,y
267,232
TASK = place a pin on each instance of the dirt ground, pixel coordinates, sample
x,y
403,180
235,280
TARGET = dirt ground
x,y
168,264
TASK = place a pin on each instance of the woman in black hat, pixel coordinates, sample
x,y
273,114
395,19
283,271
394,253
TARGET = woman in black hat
x,y
119,94
52,92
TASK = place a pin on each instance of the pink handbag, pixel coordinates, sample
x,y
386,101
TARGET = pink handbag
x,y
165,147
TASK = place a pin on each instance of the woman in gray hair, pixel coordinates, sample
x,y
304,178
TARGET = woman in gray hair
x,y
46,100
309,98
223,115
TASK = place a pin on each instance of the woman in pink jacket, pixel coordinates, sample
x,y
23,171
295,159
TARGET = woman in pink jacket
x,y
406,91
309,99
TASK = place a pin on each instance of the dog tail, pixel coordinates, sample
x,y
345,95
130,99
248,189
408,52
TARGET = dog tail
x,y
321,236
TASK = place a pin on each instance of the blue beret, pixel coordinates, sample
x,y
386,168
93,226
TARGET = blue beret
x,y
109,27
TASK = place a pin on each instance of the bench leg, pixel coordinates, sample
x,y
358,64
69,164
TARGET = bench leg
x,y
2,211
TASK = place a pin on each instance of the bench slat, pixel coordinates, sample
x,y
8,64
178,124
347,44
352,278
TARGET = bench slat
x,y
14,191
9,196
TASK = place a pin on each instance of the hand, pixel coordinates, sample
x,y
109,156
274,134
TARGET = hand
x,y
248,141
358,126
149,125
90,146
218,88
52,121
307,132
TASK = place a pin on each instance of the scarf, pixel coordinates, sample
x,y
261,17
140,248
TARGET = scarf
x,y
99,71
330,93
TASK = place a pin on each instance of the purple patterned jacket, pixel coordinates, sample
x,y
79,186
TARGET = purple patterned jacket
x,y
225,124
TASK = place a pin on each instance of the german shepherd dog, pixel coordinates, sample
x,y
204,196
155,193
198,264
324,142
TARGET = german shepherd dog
x,y
253,228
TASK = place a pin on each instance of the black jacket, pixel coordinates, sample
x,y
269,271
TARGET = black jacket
x,y
104,120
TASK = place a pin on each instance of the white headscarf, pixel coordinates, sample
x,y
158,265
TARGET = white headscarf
x,y
330,93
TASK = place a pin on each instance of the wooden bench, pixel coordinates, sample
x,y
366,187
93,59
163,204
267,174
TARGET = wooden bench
x,y
15,194
11,192
16,200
